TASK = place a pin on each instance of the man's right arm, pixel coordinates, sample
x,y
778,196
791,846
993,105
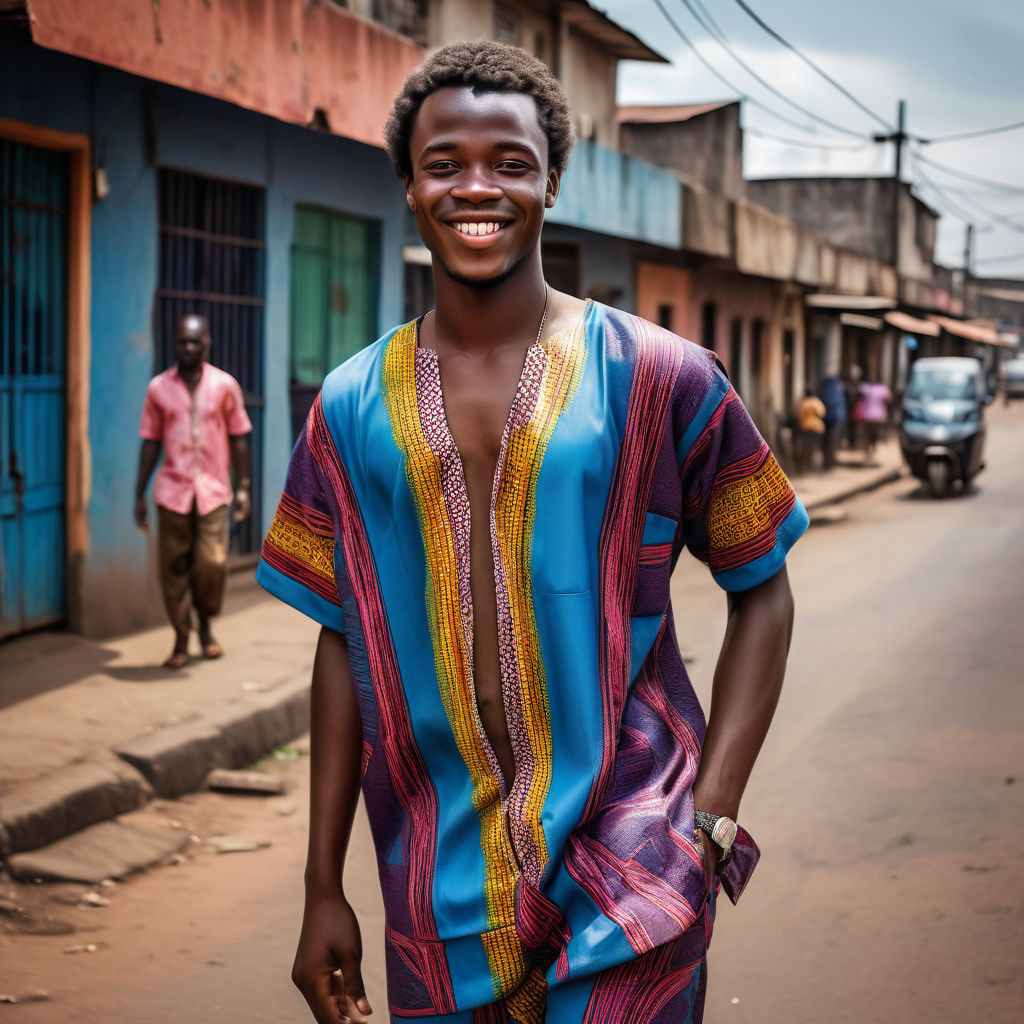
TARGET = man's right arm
x,y
327,962
148,455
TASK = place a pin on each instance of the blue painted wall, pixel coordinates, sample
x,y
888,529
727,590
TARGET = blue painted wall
x,y
609,192
136,126
607,201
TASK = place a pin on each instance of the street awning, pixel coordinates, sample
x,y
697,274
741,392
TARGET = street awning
x,y
912,324
418,254
866,323
981,334
828,301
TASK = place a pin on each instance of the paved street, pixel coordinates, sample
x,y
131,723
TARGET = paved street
x,y
888,804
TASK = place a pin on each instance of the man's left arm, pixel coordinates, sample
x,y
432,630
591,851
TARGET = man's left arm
x,y
747,683
239,427
240,466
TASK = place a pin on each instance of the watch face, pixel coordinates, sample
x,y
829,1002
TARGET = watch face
x,y
724,832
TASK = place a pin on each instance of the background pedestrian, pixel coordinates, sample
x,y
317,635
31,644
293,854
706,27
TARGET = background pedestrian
x,y
196,415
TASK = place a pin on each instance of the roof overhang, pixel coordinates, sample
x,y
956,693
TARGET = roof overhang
x,y
667,113
912,324
849,302
981,334
865,323
608,34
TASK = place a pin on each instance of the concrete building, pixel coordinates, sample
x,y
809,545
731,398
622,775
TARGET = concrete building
x,y
211,158
703,142
157,159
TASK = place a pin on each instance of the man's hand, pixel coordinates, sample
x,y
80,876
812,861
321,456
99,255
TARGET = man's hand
x,y
243,505
708,855
141,514
327,968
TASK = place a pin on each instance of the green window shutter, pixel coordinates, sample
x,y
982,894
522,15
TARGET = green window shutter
x,y
334,286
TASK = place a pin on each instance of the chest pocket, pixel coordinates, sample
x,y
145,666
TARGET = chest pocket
x,y
654,565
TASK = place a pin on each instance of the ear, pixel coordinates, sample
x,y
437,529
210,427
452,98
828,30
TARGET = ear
x,y
409,198
551,193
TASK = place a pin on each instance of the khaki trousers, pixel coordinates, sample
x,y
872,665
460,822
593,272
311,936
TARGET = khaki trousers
x,y
193,564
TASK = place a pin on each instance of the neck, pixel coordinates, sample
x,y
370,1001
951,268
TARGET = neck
x,y
190,373
478,318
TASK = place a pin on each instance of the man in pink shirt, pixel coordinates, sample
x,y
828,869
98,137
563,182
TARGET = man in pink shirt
x,y
195,413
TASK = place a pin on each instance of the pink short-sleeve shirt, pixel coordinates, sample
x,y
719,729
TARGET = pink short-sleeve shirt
x,y
194,431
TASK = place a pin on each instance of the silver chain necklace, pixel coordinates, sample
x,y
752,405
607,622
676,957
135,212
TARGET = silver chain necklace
x,y
544,315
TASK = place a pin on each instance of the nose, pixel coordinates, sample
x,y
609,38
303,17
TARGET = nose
x,y
476,184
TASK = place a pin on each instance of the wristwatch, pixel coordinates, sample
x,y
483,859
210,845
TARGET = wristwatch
x,y
719,829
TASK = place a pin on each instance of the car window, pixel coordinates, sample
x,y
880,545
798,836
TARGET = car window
x,y
942,384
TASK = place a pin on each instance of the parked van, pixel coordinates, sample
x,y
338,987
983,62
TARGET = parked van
x,y
942,434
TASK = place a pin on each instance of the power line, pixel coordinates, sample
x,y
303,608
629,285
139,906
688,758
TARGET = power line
x,y
995,219
951,207
810,63
729,85
969,177
711,27
1003,259
968,135
806,143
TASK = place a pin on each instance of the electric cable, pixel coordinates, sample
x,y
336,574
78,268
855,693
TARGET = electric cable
x,y
929,140
994,218
1002,259
719,36
1004,186
729,85
943,200
810,63
808,144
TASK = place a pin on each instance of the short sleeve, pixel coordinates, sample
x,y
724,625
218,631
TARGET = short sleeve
x,y
151,425
300,558
234,411
740,515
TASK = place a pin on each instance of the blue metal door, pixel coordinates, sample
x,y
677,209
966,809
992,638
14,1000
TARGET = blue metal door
x,y
33,338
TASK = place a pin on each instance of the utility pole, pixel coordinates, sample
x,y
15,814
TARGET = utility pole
x,y
968,259
899,138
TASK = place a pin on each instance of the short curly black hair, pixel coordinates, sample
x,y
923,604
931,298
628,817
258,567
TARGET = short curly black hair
x,y
490,66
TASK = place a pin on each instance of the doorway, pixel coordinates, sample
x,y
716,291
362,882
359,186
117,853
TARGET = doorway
x,y
34,227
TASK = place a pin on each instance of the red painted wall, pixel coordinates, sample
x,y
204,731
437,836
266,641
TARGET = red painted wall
x,y
285,58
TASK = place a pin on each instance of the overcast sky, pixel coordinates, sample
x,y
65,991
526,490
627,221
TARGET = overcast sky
x,y
959,64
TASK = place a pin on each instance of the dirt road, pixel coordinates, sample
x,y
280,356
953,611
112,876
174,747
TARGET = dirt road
x,y
888,803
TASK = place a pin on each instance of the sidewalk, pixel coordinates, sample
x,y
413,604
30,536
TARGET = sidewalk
x,y
107,728
852,475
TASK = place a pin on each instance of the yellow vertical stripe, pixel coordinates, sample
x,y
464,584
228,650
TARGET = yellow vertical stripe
x,y
514,514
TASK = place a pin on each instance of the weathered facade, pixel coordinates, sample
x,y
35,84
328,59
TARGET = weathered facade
x,y
177,194
702,142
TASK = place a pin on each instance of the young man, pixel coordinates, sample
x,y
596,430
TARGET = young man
x,y
196,414
483,513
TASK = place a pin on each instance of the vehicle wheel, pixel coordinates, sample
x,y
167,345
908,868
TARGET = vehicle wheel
x,y
938,476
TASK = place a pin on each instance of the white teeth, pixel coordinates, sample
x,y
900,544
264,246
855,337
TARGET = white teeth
x,y
475,228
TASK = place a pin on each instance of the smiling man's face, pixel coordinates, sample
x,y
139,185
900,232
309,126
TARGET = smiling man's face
x,y
480,181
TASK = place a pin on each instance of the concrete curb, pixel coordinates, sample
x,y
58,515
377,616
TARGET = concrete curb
x,y
52,807
861,487
177,760
169,762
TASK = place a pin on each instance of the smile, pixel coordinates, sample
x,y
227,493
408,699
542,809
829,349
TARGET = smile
x,y
478,228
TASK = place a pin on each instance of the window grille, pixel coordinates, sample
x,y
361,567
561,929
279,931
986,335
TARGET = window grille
x,y
213,262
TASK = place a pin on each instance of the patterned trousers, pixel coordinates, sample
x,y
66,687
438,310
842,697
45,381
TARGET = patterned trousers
x,y
193,564
666,985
